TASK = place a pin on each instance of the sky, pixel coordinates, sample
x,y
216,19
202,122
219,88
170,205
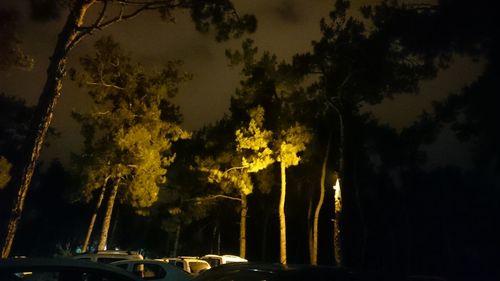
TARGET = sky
x,y
285,27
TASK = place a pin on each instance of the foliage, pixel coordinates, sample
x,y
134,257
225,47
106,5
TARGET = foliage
x,y
129,132
257,140
5,167
11,54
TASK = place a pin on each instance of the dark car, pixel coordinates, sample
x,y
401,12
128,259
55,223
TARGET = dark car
x,y
28,269
278,272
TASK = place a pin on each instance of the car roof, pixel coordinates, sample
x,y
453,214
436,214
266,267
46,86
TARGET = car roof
x,y
40,264
141,261
294,271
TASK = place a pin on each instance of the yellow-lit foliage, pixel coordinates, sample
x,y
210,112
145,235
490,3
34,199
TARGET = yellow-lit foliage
x,y
255,139
145,145
293,141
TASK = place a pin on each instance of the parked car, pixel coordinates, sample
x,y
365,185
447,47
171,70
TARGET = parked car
x,y
109,256
216,260
55,269
278,272
154,270
192,265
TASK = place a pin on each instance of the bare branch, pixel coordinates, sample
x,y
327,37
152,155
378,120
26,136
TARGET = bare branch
x,y
104,84
235,168
199,199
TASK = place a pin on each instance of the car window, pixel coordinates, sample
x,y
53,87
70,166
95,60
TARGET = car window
x,y
108,260
154,271
179,264
197,266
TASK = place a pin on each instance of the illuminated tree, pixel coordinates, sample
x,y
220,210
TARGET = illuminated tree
x,y
130,131
275,87
87,17
232,171
291,142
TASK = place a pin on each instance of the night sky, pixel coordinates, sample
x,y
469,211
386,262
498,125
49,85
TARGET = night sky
x,y
284,27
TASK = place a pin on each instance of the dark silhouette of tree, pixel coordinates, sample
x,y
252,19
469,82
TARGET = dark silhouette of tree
x,y
357,65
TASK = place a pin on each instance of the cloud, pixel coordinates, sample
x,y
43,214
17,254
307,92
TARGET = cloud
x,y
45,10
288,11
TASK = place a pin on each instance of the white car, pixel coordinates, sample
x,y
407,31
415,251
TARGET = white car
x,y
215,260
108,256
192,265
153,270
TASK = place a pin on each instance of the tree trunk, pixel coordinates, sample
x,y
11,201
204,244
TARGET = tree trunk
x,y
177,237
44,112
338,192
243,225
282,218
107,217
94,216
310,231
336,226
314,258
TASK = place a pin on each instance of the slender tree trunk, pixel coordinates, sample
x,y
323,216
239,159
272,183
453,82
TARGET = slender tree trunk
x,y
282,218
243,225
264,236
177,237
337,239
336,226
94,216
107,217
314,258
44,112
310,231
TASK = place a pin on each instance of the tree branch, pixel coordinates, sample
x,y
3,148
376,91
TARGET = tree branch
x,y
199,199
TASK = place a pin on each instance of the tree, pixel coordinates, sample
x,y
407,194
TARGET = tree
x,y
129,134
5,167
291,142
221,14
355,66
275,87
252,155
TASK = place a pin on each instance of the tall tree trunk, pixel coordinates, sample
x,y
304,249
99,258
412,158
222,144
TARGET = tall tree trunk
x,y
45,111
337,239
176,242
243,225
281,212
107,217
310,231
94,216
263,256
336,226
314,257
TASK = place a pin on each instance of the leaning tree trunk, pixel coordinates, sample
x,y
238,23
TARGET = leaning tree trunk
x,y
314,256
45,111
94,216
107,217
282,218
243,225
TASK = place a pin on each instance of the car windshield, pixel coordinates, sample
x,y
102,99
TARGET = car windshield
x,y
197,266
